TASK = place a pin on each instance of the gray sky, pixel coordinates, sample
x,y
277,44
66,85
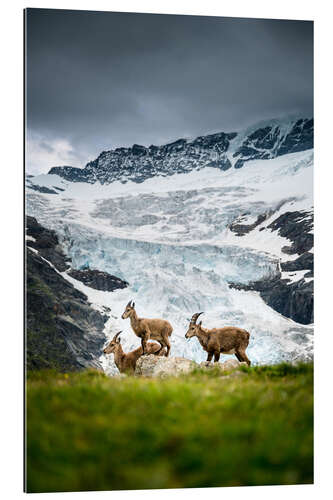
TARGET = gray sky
x,y
96,81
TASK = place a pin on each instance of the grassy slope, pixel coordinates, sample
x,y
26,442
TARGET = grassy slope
x,y
89,432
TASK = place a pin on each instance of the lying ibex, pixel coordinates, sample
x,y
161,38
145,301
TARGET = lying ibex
x,y
227,340
126,362
157,329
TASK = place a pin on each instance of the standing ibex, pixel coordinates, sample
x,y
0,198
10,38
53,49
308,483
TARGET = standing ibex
x,y
157,329
126,362
227,340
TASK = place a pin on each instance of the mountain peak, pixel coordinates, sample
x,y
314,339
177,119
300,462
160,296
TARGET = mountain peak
x,y
222,150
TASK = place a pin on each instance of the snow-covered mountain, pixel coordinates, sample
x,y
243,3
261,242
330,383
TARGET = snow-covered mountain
x,y
222,150
234,243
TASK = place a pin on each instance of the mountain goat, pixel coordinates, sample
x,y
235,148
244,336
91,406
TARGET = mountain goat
x,y
227,340
156,329
126,362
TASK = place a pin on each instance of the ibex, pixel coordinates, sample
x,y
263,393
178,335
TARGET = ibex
x,y
227,340
126,362
157,329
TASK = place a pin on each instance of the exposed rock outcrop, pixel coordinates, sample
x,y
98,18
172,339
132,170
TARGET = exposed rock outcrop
x,y
297,227
41,189
46,242
268,142
287,293
62,330
293,300
98,279
305,261
241,229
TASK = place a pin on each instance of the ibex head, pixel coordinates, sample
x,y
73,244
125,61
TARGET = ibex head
x,y
110,348
193,327
128,310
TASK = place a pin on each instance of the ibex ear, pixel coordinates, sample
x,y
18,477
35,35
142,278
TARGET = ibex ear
x,y
118,340
133,304
200,323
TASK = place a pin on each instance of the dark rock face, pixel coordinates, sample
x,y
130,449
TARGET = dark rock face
x,y
295,226
63,331
47,244
255,146
241,229
41,189
98,279
305,261
293,300
70,173
268,142
299,139
139,163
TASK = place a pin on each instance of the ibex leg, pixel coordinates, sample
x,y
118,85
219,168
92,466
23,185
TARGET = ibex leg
x,y
243,357
165,343
216,357
209,357
238,356
158,353
168,346
144,344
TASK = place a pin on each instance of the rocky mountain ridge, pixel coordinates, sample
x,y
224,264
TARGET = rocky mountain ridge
x,y
221,150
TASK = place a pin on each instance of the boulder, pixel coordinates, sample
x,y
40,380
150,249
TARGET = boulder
x,y
230,364
156,366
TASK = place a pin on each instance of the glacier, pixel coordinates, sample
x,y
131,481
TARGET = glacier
x,y
170,238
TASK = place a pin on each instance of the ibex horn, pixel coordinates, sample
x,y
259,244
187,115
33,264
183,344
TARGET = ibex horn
x,y
195,317
129,304
116,336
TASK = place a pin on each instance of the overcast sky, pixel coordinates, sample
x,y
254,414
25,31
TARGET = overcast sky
x,y
96,81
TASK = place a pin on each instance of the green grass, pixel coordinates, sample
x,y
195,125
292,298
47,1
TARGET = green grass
x,y
86,431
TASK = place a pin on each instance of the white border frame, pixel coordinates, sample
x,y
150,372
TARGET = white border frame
x,y
12,244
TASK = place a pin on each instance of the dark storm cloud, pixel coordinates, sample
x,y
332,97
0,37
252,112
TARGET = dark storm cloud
x,y
101,80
